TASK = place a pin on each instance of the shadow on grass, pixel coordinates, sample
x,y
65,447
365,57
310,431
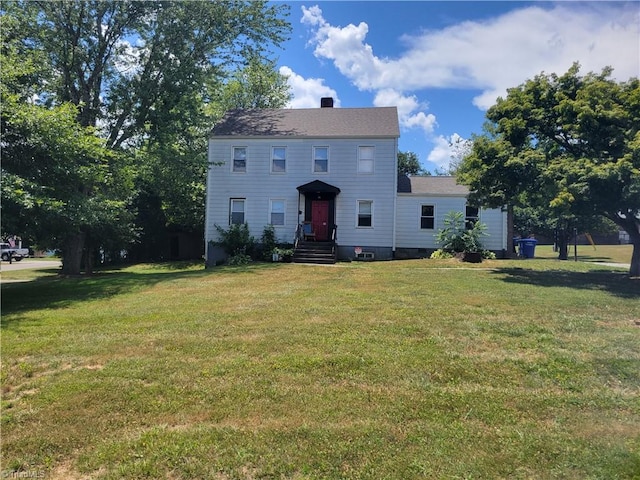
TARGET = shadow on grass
x,y
616,283
57,291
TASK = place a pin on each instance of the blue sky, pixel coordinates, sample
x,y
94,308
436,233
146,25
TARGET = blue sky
x,y
443,63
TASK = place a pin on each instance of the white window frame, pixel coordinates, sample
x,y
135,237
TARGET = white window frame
x,y
470,218
283,213
313,160
273,160
366,161
233,159
358,204
234,201
433,217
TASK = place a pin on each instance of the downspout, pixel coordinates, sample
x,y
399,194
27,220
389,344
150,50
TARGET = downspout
x,y
395,196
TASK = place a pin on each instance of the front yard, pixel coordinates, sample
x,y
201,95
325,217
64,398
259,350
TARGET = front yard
x,y
398,370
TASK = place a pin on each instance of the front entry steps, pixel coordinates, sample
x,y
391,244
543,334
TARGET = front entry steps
x,y
315,252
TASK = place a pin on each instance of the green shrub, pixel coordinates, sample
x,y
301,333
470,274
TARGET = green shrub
x,y
236,240
441,254
455,237
268,242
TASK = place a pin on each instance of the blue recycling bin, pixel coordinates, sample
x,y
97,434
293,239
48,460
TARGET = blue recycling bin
x,y
527,247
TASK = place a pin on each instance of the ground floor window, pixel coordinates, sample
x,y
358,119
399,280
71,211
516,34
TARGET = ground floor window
x,y
276,209
427,217
236,211
365,213
471,216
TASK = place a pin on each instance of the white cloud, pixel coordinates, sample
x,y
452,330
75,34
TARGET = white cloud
x,y
307,91
491,55
448,150
407,106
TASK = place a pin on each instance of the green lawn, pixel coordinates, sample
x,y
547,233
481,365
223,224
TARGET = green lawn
x,y
411,369
588,253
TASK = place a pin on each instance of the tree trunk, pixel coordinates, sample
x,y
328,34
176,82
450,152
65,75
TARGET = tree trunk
x,y
72,254
562,241
634,270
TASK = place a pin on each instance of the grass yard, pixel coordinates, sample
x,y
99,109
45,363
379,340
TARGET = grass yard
x,y
588,253
526,369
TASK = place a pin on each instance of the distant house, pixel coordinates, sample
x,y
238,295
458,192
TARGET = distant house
x,y
331,172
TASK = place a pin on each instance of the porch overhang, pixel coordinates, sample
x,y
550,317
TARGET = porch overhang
x,y
318,187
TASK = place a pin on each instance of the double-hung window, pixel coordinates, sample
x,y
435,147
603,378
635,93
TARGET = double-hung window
x,y
320,159
365,159
471,216
276,209
365,213
236,211
239,160
278,160
427,217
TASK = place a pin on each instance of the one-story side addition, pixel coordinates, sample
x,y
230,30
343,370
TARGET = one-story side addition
x,y
326,178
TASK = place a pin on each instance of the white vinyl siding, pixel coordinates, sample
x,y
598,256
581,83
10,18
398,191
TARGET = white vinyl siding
x,y
258,186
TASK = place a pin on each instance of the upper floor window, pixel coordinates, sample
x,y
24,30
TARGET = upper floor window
x,y
236,211
239,159
471,216
320,159
365,213
365,159
278,160
427,217
276,209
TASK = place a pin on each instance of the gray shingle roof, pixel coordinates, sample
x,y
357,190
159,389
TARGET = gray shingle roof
x,y
433,185
310,122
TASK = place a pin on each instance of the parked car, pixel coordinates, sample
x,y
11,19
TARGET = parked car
x,y
15,253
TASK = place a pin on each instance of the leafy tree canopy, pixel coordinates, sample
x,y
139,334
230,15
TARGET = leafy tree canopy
x,y
146,76
567,144
409,164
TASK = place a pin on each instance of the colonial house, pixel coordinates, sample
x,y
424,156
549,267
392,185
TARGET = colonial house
x,y
326,179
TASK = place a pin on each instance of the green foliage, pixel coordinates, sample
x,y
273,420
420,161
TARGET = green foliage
x,y
150,78
409,164
236,241
441,254
568,146
269,242
456,237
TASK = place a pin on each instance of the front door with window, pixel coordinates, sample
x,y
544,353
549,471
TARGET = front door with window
x,y
320,219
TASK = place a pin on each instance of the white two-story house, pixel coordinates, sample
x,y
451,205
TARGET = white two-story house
x,y
331,172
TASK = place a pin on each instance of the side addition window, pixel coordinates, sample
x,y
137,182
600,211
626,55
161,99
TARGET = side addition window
x,y
239,159
427,217
236,211
471,216
320,159
365,213
278,160
276,209
365,159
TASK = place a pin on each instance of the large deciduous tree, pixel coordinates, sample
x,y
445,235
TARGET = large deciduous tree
x,y
143,74
568,144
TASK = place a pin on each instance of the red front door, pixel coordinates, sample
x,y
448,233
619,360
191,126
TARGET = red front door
x,y
320,219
